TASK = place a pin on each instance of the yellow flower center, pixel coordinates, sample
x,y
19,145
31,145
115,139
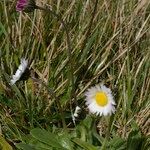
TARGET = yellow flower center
x,y
101,98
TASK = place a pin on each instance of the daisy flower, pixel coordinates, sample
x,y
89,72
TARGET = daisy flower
x,y
26,5
21,69
100,101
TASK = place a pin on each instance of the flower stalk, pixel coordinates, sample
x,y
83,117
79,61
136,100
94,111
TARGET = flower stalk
x,y
104,144
52,93
69,50
29,6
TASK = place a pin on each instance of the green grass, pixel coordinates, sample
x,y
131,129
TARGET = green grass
x,y
109,44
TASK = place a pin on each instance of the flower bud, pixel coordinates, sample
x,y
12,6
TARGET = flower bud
x,y
26,5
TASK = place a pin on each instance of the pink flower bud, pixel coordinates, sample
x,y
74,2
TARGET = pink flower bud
x,y
26,5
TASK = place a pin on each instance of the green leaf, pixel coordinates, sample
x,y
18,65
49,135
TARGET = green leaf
x,y
5,101
25,146
65,141
39,145
46,137
134,141
84,145
36,145
83,132
88,122
117,143
3,30
88,46
4,145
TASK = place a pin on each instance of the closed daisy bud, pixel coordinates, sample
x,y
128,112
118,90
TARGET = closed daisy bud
x,y
26,5
100,101
21,69
77,111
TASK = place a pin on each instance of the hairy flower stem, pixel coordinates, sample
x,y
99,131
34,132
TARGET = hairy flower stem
x,y
69,50
107,134
52,93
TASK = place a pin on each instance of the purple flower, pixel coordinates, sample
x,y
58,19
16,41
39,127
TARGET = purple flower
x,y
26,5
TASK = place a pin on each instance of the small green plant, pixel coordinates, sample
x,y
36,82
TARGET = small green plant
x,y
84,137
